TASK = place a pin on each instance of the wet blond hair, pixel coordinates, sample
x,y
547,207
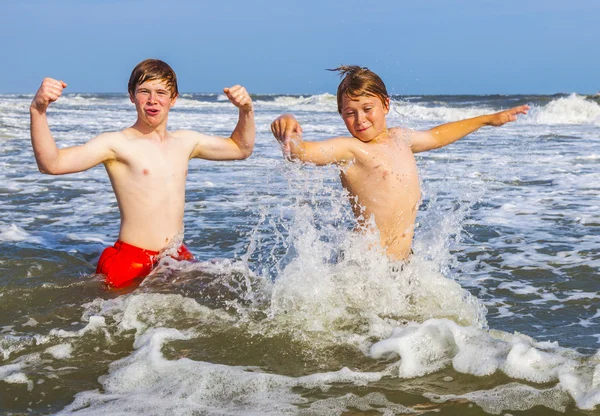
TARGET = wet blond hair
x,y
150,70
359,81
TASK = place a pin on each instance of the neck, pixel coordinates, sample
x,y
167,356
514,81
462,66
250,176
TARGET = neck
x,y
380,135
159,131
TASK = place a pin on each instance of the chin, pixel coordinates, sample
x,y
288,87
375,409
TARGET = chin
x,y
365,139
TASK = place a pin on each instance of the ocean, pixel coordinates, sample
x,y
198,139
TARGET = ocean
x,y
287,311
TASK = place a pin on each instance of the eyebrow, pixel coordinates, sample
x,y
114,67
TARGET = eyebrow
x,y
158,89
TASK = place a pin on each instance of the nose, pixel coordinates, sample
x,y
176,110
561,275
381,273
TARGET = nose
x,y
152,97
360,118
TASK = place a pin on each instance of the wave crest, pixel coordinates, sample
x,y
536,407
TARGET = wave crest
x,y
574,109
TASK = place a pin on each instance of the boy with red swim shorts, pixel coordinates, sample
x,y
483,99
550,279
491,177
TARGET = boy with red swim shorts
x,y
147,165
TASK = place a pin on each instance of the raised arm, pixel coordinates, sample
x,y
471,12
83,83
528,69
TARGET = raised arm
x,y
440,136
241,143
50,159
288,132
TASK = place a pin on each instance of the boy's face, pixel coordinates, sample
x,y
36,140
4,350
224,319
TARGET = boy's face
x,y
153,101
365,116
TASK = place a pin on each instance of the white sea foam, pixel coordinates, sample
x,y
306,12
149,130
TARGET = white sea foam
x,y
84,100
411,113
141,311
95,324
14,373
145,382
573,109
14,233
511,397
505,212
319,103
189,103
60,351
436,344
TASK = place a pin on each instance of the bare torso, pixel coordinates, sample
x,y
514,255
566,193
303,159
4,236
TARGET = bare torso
x,y
148,178
383,182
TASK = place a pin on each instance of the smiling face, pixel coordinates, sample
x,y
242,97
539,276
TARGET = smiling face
x,y
365,116
153,100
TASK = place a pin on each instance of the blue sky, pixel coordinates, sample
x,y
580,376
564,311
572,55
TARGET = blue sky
x,y
418,47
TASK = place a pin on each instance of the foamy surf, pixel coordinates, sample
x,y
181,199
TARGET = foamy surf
x,y
286,311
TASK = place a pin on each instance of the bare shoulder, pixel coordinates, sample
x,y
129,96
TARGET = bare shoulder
x,y
107,142
401,132
196,144
109,136
410,137
111,144
190,135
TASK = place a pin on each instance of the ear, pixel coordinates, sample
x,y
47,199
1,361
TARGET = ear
x,y
386,106
131,97
173,100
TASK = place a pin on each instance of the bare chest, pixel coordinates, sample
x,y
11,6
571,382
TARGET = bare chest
x,y
151,163
383,166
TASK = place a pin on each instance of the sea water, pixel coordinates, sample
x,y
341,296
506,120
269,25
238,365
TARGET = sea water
x,y
287,311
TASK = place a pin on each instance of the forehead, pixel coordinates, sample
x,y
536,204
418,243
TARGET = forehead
x,y
155,84
359,100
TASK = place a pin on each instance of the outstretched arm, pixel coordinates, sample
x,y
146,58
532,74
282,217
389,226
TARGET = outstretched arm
x,y
440,136
50,159
241,143
288,133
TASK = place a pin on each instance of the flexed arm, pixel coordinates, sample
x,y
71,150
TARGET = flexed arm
x,y
50,159
244,133
288,133
241,143
445,134
44,146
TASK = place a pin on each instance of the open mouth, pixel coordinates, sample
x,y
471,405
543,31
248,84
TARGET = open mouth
x,y
151,111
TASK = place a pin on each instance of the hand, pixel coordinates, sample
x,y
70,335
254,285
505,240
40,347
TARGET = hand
x,y
239,97
48,92
503,117
284,128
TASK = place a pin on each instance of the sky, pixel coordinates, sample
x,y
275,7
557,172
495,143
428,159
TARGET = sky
x,y
285,46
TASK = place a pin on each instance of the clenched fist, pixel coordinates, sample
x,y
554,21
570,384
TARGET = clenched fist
x,y
48,92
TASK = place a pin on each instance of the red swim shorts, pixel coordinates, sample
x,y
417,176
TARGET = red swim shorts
x,y
123,263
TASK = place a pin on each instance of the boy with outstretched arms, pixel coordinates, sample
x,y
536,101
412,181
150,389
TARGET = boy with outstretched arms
x,y
147,165
377,166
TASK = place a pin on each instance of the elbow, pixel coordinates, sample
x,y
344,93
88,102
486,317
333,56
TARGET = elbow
x,y
48,169
245,153
44,169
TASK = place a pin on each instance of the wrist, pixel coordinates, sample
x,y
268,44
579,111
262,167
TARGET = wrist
x,y
37,109
488,120
249,109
